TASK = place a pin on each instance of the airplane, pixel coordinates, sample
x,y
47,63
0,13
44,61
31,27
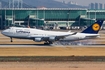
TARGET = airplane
x,y
51,36
36,35
89,33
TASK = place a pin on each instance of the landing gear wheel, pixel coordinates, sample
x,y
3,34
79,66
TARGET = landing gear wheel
x,y
48,43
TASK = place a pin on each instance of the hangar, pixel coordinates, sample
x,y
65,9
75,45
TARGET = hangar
x,y
58,17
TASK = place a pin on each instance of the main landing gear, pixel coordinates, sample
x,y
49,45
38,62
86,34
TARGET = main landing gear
x,y
11,39
48,43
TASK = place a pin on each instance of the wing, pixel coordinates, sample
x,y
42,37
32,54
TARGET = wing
x,y
50,38
57,38
63,36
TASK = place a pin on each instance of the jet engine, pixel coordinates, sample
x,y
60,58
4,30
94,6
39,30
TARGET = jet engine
x,y
81,37
37,39
52,38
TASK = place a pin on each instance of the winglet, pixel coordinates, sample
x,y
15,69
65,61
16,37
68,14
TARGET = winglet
x,y
94,28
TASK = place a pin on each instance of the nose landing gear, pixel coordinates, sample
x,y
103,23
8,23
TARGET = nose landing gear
x,y
48,43
11,39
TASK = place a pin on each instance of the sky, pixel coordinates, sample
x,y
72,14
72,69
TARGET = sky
x,y
85,2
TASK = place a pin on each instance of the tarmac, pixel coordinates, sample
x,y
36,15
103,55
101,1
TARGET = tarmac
x,y
95,46
29,55
52,65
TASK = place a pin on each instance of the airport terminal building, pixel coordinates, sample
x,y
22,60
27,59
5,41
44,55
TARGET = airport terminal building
x,y
58,17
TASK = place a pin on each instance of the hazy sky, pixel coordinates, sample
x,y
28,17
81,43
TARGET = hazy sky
x,y
85,2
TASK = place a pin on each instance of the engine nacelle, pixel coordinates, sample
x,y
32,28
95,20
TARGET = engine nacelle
x,y
81,37
51,38
37,39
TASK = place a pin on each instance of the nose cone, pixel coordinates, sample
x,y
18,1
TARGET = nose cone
x,y
4,32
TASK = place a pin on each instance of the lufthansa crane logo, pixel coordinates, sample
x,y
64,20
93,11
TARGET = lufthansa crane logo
x,y
96,27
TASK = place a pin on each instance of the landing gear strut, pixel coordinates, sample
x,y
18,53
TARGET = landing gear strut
x,y
48,43
11,39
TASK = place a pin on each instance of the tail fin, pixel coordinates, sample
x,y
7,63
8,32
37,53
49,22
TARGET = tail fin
x,y
94,28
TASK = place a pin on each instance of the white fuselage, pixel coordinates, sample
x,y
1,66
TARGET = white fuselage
x,y
37,35
80,36
29,32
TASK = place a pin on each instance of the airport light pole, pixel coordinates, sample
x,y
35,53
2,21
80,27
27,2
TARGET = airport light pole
x,y
79,18
89,14
28,25
37,19
5,18
1,23
1,20
12,17
13,3
95,15
28,22
68,20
